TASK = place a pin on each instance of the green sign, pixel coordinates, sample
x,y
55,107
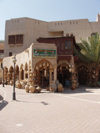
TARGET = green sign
x,y
44,52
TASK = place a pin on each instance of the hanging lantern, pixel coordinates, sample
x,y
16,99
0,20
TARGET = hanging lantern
x,y
44,64
47,64
40,65
66,67
36,68
60,68
70,69
45,72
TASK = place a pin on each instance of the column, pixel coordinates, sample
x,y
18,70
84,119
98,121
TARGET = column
x,y
19,75
55,73
50,77
74,76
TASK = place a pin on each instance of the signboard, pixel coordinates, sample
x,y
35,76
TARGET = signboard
x,y
44,52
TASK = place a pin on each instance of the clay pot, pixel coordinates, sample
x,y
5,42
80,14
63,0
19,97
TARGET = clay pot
x,y
19,85
25,82
74,85
17,82
38,89
53,87
60,88
11,82
23,85
27,88
32,89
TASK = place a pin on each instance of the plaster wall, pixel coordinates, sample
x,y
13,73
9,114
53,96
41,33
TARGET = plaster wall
x,y
30,28
81,28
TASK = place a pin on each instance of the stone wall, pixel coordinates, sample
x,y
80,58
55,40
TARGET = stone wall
x,y
33,29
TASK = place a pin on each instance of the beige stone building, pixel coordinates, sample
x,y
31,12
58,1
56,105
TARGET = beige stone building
x,y
44,50
1,58
35,60
20,33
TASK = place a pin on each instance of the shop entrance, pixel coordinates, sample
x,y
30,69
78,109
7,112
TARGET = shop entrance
x,y
63,75
44,77
82,75
42,73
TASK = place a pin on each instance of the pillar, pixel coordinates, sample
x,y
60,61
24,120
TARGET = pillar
x,y
74,81
50,77
55,73
74,74
19,75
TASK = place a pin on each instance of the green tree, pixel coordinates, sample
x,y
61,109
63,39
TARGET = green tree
x,y
89,52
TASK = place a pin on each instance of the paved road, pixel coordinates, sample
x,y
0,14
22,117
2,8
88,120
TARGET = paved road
x,y
72,112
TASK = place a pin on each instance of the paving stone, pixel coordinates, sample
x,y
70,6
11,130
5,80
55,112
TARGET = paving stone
x,y
71,112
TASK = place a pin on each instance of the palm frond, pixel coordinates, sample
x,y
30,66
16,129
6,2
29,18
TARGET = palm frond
x,y
89,50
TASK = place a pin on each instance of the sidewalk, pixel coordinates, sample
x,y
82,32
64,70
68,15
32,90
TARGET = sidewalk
x,y
72,112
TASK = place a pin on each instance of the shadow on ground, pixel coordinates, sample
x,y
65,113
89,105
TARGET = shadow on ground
x,y
42,102
3,104
78,90
1,98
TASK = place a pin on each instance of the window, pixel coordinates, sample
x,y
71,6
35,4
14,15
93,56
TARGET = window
x,y
11,39
67,44
93,34
1,51
15,39
10,53
19,39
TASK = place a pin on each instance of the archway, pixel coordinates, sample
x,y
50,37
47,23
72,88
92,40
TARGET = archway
x,y
82,75
21,72
26,71
5,74
43,73
11,70
64,75
17,72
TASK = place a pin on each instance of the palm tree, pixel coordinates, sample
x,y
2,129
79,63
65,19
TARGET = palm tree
x,y
89,52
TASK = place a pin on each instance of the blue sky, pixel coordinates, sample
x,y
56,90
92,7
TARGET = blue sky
x,y
47,10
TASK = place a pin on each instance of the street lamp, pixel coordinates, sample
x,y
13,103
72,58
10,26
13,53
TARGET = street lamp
x,y
14,94
2,74
70,67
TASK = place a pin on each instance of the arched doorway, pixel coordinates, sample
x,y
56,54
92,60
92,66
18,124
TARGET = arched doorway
x,y
11,70
21,72
5,74
17,72
26,71
64,75
43,73
82,75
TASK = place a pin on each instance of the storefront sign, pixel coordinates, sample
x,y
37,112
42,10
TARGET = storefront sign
x,y
44,52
